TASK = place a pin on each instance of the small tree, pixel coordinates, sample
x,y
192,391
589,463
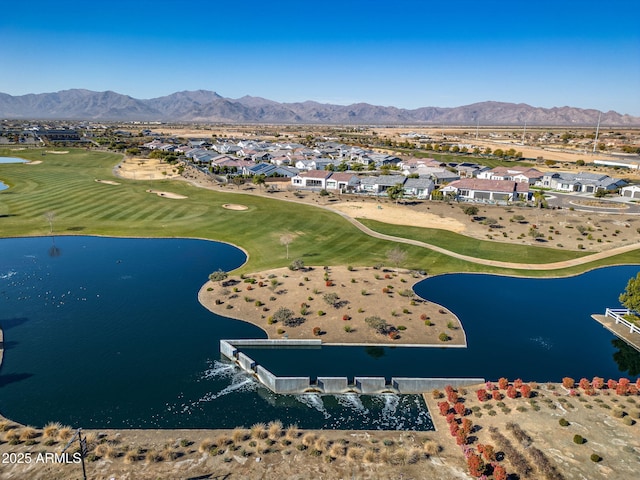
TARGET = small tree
x,y
630,298
332,299
259,180
282,315
286,240
377,323
297,265
396,256
238,181
470,210
50,216
218,276
396,192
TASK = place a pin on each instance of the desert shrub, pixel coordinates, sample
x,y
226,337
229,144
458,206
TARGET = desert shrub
x,y
628,421
578,440
377,323
317,331
563,422
443,337
568,382
595,457
348,328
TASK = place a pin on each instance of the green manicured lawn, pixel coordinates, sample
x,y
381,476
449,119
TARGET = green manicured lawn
x,y
506,252
449,157
65,184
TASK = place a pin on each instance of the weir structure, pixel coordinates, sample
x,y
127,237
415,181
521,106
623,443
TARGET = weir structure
x,y
329,385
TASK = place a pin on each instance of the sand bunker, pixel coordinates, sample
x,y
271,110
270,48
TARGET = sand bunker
x,y
61,152
175,196
108,182
398,215
34,162
235,206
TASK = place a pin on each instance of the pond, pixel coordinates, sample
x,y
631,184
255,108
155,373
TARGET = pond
x,y
4,186
104,332
12,160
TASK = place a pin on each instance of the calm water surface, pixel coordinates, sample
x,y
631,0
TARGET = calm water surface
x,y
103,332
109,332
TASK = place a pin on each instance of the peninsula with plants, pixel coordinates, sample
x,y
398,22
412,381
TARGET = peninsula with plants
x,y
343,236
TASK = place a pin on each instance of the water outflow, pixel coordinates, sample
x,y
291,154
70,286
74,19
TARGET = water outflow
x,y
340,411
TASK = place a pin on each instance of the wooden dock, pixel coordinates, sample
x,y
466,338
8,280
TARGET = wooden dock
x,y
619,330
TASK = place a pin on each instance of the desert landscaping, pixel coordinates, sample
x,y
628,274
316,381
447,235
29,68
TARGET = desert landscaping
x,y
570,430
333,304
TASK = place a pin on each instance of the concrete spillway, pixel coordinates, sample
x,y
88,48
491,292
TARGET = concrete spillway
x,y
329,385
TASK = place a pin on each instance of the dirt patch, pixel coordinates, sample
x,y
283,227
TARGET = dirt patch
x,y
174,196
235,206
107,182
399,215
332,305
146,169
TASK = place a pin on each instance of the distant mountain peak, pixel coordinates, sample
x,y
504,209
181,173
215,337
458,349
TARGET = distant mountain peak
x,y
209,106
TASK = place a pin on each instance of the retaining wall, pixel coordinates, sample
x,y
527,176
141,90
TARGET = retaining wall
x,y
333,384
330,385
421,385
370,384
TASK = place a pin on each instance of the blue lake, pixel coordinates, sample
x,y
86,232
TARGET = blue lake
x,y
4,186
12,160
103,332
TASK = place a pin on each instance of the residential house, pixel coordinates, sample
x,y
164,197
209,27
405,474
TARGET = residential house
x,y
379,185
630,191
418,187
488,191
315,179
517,174
269,170
442,177
580,182
343,182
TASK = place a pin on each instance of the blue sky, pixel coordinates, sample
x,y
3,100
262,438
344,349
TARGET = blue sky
x,y
403,53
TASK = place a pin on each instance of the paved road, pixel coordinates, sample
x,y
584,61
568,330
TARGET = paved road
x,y
571,200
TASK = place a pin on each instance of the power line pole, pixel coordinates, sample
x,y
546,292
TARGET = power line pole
x,y
595,142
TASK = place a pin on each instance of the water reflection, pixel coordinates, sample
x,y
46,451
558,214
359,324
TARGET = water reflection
x,y
627,357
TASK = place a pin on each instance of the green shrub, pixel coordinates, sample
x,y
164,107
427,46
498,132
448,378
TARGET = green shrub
x,y
578,440
444,337
628,421
401,327
595,457
563,422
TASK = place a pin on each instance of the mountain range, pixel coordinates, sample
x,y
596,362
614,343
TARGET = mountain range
x,y
208,106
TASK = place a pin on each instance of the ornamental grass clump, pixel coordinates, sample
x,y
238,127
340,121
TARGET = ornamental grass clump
x,y
275,429
50,430
259,431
